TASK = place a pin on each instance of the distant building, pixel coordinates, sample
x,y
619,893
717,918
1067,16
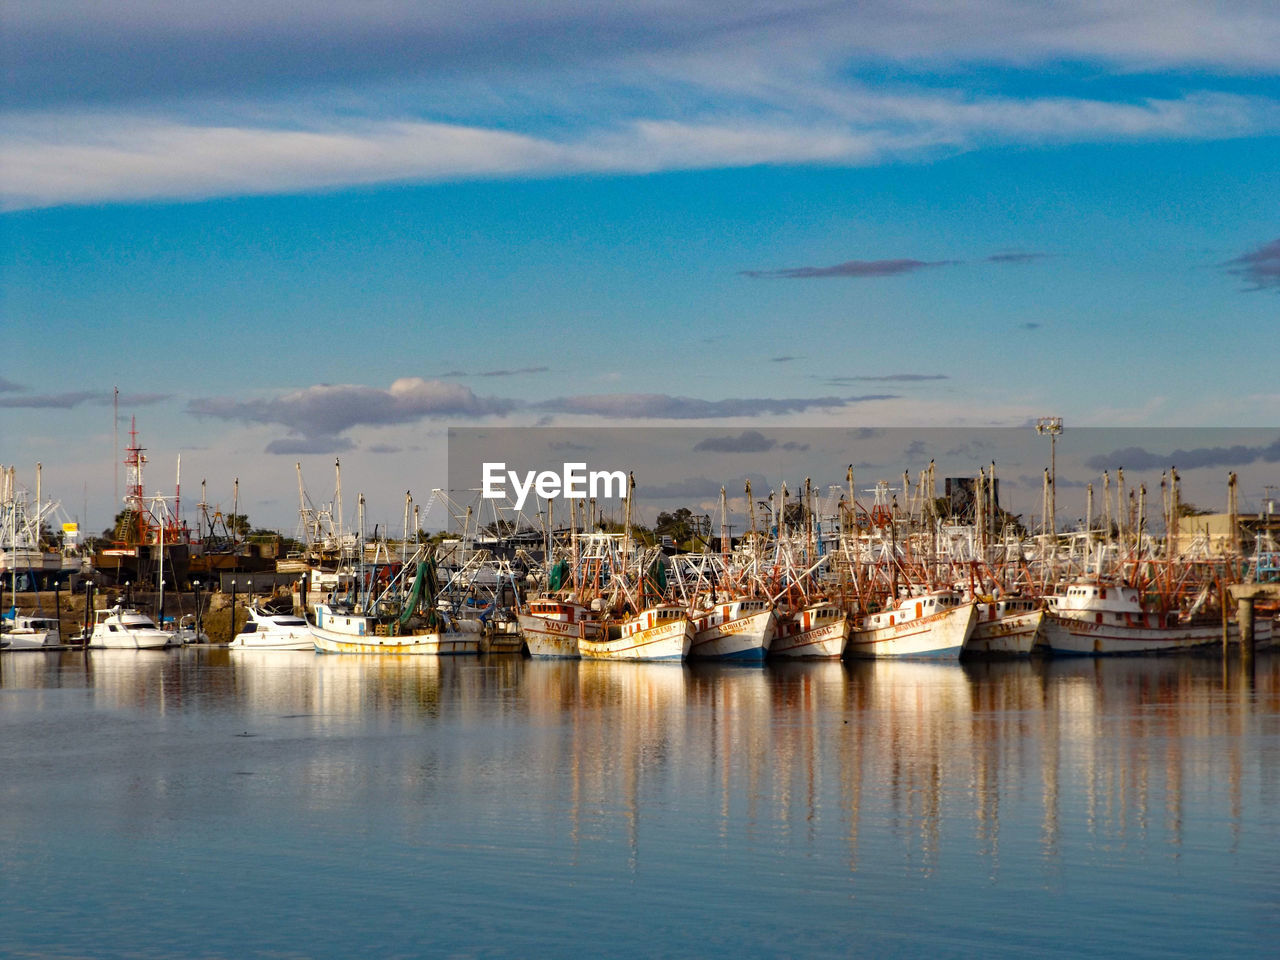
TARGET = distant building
x,y
960,492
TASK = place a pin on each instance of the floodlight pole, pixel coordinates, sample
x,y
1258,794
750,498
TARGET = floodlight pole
x,y
1053,427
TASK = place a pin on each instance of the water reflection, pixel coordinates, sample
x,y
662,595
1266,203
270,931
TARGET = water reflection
x,y
916,761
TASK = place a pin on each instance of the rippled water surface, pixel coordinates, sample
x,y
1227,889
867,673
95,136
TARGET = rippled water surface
x,y
217,803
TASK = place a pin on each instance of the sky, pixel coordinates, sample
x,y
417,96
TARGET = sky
x,y
289,235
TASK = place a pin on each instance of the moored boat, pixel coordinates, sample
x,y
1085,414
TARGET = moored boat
x,y
660,632
270,630
340,630
124,628
936,625
1007,626
741,629
1100,617
818,631
19,632
552,627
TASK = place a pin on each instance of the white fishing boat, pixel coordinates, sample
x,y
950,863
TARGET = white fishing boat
x,y
552,627
660,632
818,631
271,630
1006,626
123,628
19,632
935,625
1100,617
741,629
184,630
338,629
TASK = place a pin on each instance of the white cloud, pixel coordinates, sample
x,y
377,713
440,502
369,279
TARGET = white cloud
x,y
51,159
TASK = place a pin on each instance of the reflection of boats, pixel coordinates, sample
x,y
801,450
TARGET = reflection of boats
x,y
661,632
269,630
935,624
125,628
733,630
1100,617
18,632
1008,626
819,630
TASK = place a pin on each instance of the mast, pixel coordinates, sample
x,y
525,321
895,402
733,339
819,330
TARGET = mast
x,y
337,496
160,601
404,541
361,599
177,495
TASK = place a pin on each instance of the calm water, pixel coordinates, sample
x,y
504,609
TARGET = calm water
x,y
211,803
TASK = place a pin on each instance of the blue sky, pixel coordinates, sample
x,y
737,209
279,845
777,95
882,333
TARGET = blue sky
x,y
292,235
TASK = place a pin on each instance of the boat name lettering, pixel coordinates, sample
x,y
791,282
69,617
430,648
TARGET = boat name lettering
x,y
573,482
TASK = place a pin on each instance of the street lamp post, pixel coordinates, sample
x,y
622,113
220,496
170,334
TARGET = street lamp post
x,y
1053,427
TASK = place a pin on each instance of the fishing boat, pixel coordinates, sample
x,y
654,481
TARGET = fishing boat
x,y
936,624
267,629
741,629
552,627
342,629
659,632
1005,626
400,620
817,631
1102,617
19,632
124,628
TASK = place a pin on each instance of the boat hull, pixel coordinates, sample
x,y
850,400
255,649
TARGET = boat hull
x,y
665,641
1069,636
273,641
1010,636
825,642
426,644
134,640
939,636
744,638
550,639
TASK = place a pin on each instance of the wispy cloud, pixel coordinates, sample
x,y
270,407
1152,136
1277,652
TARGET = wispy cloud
x,y
850,268
68,157
319,415
1260,268
518,371
1139,458
660,406
304,446
76,398
8,386
890,378
748,441
1015,257
80,49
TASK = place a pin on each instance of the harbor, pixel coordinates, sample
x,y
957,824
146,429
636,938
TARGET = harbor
x,y
798,807
928,568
